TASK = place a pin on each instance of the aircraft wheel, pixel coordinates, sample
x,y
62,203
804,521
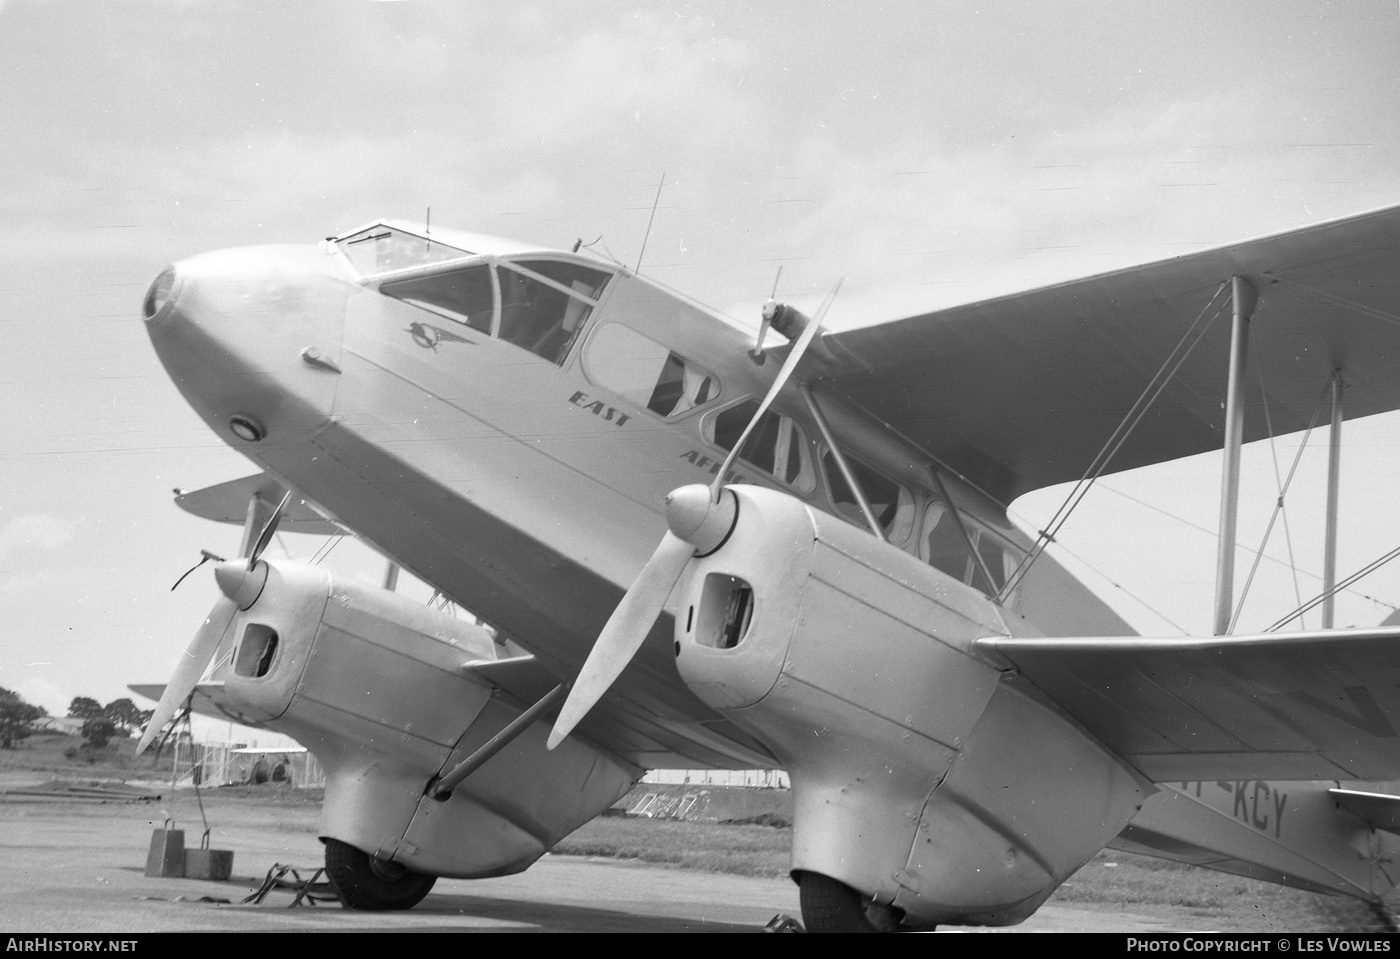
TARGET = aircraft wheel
x,y
832,906
365,882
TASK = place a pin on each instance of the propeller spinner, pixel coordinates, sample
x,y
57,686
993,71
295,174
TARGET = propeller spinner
x,y
698,521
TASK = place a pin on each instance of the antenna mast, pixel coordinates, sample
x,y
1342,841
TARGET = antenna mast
x,y
652,218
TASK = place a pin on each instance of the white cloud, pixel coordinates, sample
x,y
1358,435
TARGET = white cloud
x,y
912,230
35,531
41,692
19,587
678,78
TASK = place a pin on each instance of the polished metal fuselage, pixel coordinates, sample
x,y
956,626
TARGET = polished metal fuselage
x,y
518,487
532,496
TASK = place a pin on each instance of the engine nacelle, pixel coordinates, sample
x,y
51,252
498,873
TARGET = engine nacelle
x,y
373,684
911,757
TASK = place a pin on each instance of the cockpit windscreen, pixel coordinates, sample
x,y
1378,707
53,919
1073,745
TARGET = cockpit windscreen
x,y
383,249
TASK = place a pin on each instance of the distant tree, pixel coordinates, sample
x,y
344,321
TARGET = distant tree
x,y
97,733
124,715
83,707
15,718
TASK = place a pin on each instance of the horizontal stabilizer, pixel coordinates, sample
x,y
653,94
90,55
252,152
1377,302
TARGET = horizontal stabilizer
x,y
1377,809
1317,705
228,503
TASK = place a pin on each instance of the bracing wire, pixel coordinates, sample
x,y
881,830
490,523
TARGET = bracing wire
x,y
1154,388
1273,451
1212,533
1134,596
1278,505
326,548
1320,597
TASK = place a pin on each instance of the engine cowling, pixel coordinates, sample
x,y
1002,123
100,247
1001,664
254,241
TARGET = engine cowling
x,y
915,765
374,685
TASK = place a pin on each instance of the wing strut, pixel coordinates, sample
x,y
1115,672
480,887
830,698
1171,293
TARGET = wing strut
x,y
441,789
967,537
1334,472
851,482
1245,298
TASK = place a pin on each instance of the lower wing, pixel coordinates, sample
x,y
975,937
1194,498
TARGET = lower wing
x,y
1319,705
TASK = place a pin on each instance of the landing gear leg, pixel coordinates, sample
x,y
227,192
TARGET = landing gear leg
x,y
365,882
832,906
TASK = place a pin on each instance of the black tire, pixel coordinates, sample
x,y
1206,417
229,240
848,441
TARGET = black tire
x,y
364,882
832,906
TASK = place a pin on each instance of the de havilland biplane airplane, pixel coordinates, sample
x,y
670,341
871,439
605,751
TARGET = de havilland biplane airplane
x,y
719,552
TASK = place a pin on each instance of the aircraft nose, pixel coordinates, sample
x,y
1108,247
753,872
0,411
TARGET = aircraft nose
x,y
159,294
252,338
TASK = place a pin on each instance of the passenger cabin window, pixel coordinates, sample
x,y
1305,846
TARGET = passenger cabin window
x,y
943,547
777,446
544,304
463,295
646,373
383,249
891,503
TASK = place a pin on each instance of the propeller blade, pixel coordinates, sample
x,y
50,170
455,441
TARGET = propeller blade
x,y
629,624
793,358
268,529
623,635
757,351
192,665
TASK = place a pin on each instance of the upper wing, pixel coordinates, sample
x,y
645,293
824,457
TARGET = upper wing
x,y
1321,705
1021,392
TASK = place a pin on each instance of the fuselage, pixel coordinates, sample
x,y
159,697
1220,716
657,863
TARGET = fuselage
x,y
505,421
511,443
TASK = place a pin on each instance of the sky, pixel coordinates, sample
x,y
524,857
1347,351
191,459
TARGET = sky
x,y
928,153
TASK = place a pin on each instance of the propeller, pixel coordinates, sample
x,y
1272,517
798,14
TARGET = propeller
x,y
190,668
757,351
698,520
241,582
771,310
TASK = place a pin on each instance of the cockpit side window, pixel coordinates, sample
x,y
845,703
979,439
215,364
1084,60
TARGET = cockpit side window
x,y
892,504
644,372
776,446
579,279
538,304
463,295
545,317
384,249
